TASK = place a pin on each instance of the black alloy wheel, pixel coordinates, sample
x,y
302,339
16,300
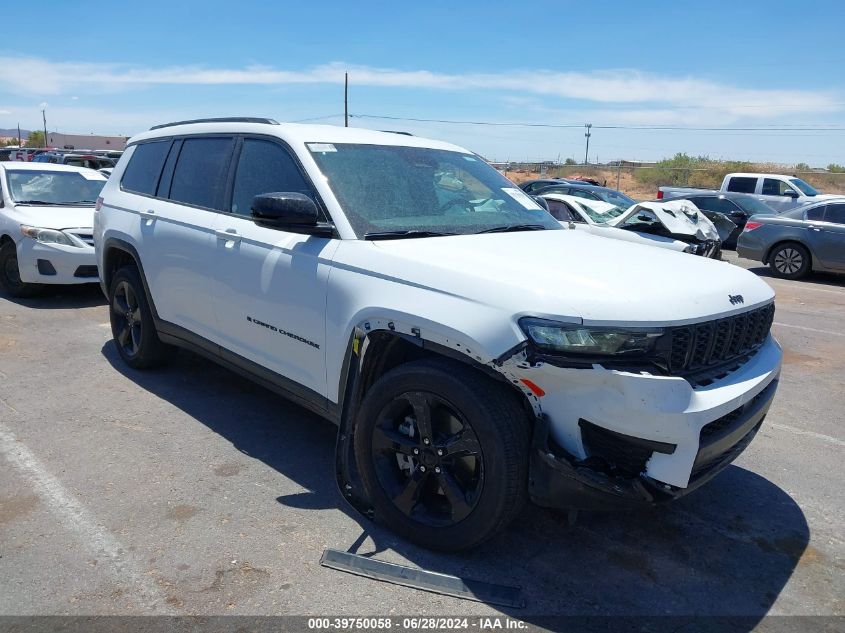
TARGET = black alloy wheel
x,y
442,452
127,317
428,459
132,325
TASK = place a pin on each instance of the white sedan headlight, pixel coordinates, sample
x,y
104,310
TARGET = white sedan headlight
x,y
47,236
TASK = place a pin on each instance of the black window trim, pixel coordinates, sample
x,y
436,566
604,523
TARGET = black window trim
x,y
177,142
167,169
289,150
180,140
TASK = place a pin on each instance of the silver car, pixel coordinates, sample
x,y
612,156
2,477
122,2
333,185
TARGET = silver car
x,y
811,237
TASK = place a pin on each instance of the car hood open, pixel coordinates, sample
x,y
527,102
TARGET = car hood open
x,y
559,274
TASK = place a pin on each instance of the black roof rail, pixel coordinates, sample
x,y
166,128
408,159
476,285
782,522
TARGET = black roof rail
x,y
228,119
397,132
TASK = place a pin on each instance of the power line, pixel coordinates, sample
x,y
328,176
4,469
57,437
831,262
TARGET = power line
x,y
765,128
317,118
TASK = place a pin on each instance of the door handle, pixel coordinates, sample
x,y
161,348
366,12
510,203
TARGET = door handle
x,y
815,228
149,213
229,235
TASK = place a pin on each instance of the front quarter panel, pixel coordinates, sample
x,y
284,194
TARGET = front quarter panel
x,y
365,291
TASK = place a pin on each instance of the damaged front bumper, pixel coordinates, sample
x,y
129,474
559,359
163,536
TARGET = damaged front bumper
x,y
558,480
611,453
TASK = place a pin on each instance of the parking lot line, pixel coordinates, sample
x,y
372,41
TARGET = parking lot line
x,y
98,539
808,329
818,436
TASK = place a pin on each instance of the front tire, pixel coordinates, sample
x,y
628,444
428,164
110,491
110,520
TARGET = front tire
x,y
443,453
10,276
132,324
790,261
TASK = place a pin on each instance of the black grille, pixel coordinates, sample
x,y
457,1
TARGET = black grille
x,y
703,345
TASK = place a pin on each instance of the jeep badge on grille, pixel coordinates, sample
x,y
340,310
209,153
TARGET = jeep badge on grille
x,y
735,299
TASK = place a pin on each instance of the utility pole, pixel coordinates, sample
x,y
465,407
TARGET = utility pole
x,y
44,117
618,172
345,99
587,151
19,134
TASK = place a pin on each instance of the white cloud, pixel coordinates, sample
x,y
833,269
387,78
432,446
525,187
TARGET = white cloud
x,y
37,76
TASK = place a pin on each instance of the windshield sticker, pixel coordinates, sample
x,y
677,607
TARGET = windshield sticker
x,y
521,197
321,147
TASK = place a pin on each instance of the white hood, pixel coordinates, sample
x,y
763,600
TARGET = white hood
x,y
54,217
680,217
561,274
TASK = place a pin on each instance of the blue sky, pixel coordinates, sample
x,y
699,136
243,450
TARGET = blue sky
x,y
118,68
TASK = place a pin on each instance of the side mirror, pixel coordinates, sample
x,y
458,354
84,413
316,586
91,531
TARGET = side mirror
x,y
291,211
790,193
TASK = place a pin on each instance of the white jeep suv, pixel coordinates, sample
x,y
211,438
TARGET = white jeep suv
x,y
473,351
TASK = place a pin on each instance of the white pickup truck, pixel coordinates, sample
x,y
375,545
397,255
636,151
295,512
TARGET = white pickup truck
x,y
778,191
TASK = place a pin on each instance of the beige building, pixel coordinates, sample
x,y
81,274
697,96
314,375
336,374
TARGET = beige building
x,y
85,141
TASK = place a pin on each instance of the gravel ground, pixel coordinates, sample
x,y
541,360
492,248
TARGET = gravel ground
x,y
189,490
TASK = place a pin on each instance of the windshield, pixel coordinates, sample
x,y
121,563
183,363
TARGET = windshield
x,y
752,205
616,198
600,213
804,187
392,189
53,187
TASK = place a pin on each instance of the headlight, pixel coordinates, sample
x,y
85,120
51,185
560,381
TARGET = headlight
x,y
581,340
47,236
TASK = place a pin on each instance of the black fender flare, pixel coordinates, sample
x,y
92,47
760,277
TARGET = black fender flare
x,y
114,243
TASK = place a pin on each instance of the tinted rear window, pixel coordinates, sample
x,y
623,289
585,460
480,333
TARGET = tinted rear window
x,y
742,184
816,213
835,213
201,171
144,168
720,205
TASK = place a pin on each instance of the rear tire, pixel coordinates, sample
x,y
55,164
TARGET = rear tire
x,y
132,324
10,275
443,453
790,261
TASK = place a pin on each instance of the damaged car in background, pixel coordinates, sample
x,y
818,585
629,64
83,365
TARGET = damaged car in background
x,y
474,353
678,220
678,226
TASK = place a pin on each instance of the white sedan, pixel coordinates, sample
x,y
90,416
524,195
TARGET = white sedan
x,y
676,225
46,220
